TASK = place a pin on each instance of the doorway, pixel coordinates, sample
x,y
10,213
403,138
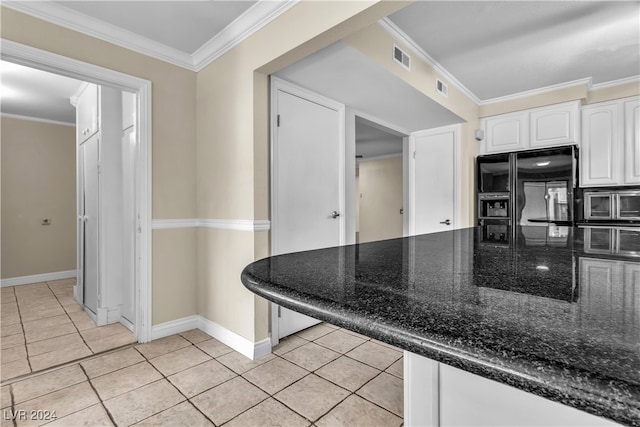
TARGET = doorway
x,y
141,259
379,182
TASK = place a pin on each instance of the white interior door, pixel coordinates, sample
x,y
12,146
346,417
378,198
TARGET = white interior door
x,y
307,182
433,185
90,157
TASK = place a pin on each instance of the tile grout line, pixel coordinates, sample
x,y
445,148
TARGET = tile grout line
x,y
380,372
172,385
24,333
97,395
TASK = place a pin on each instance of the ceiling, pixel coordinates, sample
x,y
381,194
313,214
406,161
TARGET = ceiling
x,y
489,49
33,93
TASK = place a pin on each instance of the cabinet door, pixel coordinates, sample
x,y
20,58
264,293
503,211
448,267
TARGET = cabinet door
x,y
506,133
632,142
87,113
600,151
601,292
632,297
555,125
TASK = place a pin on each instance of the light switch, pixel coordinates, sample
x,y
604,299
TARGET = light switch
x,y
45,221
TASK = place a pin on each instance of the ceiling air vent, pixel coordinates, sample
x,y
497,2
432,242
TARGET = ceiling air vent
x,y
442,88
401,58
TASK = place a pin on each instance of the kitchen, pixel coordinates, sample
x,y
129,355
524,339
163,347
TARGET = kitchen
x,y
221,175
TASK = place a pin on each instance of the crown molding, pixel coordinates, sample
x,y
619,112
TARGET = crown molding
x,y
36,119
254,18
76,21
614,83
538,91
396,32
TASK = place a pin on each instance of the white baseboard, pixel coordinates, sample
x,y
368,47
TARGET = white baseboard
x,y
172,327
238,343
36,278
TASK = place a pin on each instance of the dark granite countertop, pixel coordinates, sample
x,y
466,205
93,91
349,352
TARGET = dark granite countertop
x,y
543,313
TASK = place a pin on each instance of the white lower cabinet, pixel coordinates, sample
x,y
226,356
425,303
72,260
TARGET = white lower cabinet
x,y
436,394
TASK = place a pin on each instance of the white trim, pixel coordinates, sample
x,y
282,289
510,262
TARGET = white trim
x,y
170,224
224,224
37,119
173,327
235,224
396,32
238,343
36,278
253,19
539,91
614,83
47,61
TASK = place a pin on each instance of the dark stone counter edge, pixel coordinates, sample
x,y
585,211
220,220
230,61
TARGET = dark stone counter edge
x,y
538,377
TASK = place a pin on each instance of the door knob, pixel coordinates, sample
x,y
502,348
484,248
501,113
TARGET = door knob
x,y
335,214
446,222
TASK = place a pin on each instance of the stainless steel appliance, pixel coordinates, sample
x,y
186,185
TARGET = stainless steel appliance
x,y
612,205
527,187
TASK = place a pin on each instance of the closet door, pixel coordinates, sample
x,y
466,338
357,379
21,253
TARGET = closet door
x,y
90,157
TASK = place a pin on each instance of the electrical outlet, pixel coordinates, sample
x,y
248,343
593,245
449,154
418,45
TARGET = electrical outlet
x,y
45,221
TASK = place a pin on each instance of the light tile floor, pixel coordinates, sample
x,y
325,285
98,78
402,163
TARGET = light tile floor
x,y
42,326
322,376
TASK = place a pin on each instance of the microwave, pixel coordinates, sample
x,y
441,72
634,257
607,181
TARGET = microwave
x,y
614,205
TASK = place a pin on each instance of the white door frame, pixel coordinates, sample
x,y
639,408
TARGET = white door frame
x,y
278,84
54,63
411,162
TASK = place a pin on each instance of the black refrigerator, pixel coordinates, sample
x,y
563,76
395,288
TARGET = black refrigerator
x,y
533,187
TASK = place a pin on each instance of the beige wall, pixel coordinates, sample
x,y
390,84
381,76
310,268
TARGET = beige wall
x,y
380,197
174,140
38,181
233,149
375,42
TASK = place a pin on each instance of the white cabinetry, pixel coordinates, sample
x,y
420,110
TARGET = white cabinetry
x,y
536,128
506,132
100,202
610,292
600,148
632,141
87,112
556,125
610,148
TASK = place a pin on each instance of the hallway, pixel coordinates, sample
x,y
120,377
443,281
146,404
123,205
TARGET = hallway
x,y
43,326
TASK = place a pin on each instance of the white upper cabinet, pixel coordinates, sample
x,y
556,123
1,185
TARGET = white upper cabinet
x,y
610,148
600,148
554,125
86,102
536,128
632,141
507,132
